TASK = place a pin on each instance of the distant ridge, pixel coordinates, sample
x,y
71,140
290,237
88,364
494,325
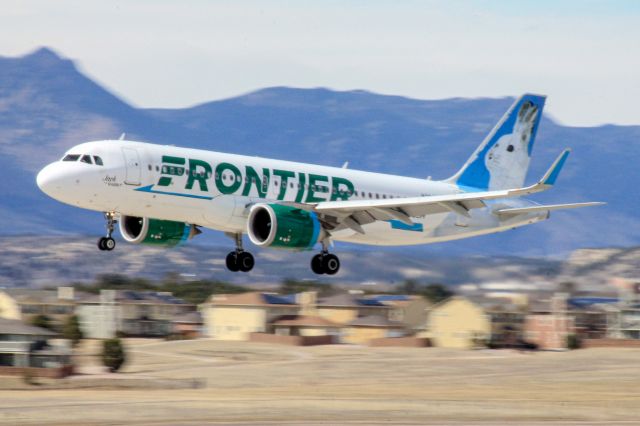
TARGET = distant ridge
x,y
47,105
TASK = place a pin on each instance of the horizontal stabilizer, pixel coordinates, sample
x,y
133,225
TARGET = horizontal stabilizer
x,y
533,209
552,174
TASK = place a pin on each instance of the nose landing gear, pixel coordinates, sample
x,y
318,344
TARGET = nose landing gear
x,y
108,243
239,260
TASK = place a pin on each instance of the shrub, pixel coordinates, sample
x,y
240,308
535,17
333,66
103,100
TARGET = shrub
x,y
573,342
72,330
41,321
113,355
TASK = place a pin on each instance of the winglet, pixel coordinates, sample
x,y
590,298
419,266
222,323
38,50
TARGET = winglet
x,y
549,178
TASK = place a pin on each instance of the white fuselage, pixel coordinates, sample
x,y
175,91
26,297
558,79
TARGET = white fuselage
x,y
215,190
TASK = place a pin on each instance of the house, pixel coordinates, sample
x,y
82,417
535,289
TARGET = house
x,y
130,313
410,310
346,307
457,322
549,324
24,304
362,330
235,316
302,325
187,325
27,349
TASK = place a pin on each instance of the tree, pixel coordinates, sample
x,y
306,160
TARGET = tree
x,y
290,286
113,355
436,292
72,330
409,287
42,321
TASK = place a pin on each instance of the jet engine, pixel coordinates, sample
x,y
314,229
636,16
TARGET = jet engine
x,y
167,233
279,226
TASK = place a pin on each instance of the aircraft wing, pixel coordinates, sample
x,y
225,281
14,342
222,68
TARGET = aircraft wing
x,y
353,214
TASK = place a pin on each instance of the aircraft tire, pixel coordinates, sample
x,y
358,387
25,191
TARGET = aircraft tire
x,y
232,262
330,264
245,261
316,264
109,244
101,243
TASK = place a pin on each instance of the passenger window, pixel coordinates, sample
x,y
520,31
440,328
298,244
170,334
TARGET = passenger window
x,y
157,168
86,159
150,168
97,160
71,157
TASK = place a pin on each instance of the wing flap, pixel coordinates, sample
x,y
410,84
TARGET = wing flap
x,y
534,209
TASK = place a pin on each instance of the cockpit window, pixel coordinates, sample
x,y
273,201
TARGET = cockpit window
x,y
86,159
71,157
98,160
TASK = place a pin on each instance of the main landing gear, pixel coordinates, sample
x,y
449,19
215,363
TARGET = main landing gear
x,y
108,243
239,260
325,262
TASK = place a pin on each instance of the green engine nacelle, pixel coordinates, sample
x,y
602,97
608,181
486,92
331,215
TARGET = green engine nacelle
x,y
166,233
278,226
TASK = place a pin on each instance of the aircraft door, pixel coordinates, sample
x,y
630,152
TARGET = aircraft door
x,y
133,166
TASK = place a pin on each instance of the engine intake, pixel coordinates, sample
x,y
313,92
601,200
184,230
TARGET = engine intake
x,y
278,226
142,230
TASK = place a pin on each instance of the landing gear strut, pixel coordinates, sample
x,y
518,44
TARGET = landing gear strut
x,y
239,260
325,262
107,243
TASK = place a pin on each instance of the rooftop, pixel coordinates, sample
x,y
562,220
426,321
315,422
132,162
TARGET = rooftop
x,y
305,321
375,321
8,326
254,298
349,300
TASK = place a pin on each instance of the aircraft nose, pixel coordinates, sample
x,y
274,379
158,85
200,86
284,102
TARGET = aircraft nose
x,y
50,179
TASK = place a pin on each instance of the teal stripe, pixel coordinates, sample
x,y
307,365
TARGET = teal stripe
x,y
177,194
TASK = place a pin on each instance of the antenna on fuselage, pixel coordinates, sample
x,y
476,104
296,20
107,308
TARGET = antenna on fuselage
x,y
121,138
345,165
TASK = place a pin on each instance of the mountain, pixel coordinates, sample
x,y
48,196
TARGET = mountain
x,y
48,105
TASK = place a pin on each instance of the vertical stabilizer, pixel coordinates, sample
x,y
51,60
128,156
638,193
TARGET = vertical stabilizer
x,y
502,159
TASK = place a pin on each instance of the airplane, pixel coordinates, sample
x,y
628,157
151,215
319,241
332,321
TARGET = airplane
x,y
162,195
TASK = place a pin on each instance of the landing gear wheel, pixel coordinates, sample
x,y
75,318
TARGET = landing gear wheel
x,y
330,264
109,243
106,243
232,262
245,261
316,264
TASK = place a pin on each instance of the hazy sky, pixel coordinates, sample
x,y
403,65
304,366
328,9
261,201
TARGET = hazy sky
x,y
585,55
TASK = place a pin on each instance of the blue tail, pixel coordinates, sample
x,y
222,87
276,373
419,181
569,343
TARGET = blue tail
x,y
502,160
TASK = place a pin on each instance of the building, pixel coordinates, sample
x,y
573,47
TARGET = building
x,y
345,307
549,323
24,304
410,310
24,348
187,325
458,323
130,313
235,316
302,325
362,330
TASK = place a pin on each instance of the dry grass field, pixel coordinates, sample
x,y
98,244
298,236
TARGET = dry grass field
x,y
244,383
